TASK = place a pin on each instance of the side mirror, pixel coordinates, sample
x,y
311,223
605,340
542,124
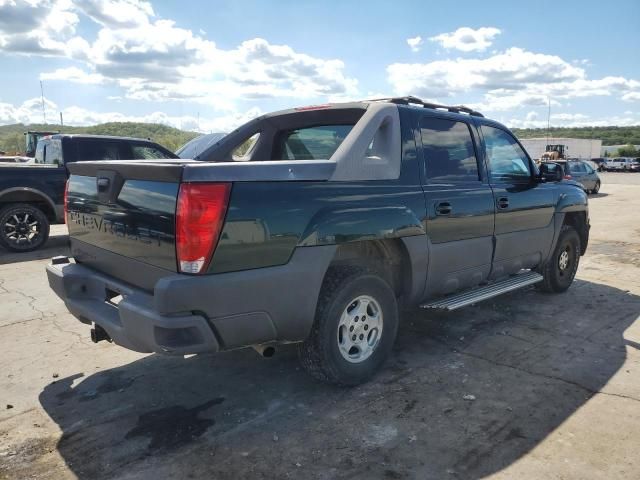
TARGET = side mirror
x,y
551,172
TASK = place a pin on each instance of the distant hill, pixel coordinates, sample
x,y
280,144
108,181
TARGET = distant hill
x,y
12,138
608,135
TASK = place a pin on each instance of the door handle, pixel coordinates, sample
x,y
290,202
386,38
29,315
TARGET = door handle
x,y
502,203
443,208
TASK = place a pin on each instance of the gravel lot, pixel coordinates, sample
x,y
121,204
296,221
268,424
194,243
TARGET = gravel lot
x,y
526,386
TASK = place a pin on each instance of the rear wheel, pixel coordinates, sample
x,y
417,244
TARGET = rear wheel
x,y
23,227
561,268
354,330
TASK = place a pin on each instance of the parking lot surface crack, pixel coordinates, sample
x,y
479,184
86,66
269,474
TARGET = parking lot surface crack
x,y
550,377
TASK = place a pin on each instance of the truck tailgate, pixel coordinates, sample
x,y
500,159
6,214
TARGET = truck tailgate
x,y
126,211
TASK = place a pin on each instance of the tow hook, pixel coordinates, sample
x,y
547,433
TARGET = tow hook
x,y
98,334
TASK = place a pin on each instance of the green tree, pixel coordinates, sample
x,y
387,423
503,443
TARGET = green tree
x,y
628,151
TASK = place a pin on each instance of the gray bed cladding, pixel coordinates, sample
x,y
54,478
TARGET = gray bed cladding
x,y
379,128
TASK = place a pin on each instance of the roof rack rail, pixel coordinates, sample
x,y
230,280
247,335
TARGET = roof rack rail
x,y
436,106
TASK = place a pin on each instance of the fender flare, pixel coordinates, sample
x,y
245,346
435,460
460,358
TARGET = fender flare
x,y
342,224
34,191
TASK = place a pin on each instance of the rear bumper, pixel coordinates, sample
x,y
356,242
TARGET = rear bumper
x,y
133,323
196,314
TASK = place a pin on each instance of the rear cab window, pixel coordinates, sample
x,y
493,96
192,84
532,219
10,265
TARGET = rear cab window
x,y
306,133
449,151
312,143
141,151
90,149
49,152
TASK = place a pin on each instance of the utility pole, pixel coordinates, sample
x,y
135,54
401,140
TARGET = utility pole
x,y
44,115
548,117
61,122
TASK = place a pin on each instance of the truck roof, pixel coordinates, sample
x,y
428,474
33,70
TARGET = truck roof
x,y
409,101
58,136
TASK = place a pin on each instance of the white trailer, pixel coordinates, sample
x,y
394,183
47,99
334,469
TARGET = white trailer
x,y
582,148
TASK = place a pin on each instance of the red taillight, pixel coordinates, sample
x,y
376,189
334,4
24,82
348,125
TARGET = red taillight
x,y
568,177
66,200
199,216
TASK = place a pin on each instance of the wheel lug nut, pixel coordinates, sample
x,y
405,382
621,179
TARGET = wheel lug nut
x,y
366,327
353,338
355,319
351,328
361,336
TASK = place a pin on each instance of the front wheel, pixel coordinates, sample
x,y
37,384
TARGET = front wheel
x,y
560,270
23,227
354,330
596,188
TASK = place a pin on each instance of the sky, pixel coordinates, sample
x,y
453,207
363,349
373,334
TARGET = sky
x,y
212,65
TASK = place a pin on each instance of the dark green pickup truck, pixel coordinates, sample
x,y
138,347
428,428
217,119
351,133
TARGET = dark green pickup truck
x,y
315,225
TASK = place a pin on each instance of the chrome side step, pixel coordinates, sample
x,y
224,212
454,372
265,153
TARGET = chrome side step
x,y
459,300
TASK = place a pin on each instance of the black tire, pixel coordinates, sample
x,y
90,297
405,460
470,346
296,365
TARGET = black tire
x,y
596,189
23,227
558,279
320,354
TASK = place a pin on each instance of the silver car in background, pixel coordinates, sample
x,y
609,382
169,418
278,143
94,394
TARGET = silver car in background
x,y
623,164
583,173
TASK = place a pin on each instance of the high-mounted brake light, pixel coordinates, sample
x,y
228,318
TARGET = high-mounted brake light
x,y
66,201
200,213
313,107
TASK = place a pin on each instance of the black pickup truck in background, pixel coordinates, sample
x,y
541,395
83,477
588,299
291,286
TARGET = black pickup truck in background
x,y
32,195
316,225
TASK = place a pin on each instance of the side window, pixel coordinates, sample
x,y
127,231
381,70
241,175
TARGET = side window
x,y
312,143
97,150
507,161
242,153
578,168
146,152
54,153
40,152
448,149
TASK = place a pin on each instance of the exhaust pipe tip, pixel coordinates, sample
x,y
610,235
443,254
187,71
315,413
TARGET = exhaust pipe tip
x,y
99,334
266,351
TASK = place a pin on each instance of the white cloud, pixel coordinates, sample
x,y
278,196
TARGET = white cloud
x,y
154,59
31,112
415,43
570,117
505,80
73,74
571,120
117,13
46,27
531,116
160,61
631,97
467,39
510,69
